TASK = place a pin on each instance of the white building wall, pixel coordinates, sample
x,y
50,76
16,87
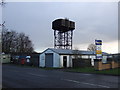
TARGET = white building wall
x,y
85,56
42,58
92,59
104,59
61,61
69,60
56,60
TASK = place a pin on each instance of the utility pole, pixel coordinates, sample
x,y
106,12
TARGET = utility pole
x,y
2,3
1,27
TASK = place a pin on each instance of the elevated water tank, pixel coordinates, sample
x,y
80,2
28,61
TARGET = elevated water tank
x,y
63,25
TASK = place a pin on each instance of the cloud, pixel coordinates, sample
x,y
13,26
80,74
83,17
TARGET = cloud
x,y
93,20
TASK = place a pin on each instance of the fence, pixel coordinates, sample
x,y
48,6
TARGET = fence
x,y
81,62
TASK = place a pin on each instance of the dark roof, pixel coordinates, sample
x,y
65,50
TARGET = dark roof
x,y
62,51
69,51
24,54
116,54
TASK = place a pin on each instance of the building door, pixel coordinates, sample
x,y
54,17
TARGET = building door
x,y
64,61
49,60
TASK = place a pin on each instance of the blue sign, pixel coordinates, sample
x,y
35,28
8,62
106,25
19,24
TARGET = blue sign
x,y
98,42
99,57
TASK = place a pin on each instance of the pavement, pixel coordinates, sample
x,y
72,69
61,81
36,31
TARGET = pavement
x,y
27,77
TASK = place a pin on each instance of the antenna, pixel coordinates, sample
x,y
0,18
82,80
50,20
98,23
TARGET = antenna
x,y
3,24
2,3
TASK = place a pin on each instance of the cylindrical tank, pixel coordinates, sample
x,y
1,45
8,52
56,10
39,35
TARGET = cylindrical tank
x,y
72,25
63,25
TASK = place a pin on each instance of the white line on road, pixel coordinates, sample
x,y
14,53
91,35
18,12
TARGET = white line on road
x,y
37,75
86,83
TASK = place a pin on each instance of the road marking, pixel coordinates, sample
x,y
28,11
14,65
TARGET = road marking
x,y
86,83
37,75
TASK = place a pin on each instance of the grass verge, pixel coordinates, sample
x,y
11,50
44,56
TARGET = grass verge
x,y
115,71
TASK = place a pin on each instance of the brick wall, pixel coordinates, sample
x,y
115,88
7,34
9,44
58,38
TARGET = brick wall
x,y
115,64
106,66
100,66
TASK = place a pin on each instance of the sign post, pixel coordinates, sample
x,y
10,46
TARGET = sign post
x,y
98,44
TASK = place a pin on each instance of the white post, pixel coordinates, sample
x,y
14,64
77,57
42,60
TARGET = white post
x,y
0,47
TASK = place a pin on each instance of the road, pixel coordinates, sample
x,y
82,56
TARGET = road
x,y
28,77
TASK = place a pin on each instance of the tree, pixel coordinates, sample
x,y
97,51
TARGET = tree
x,y
25,44
91,47
14,42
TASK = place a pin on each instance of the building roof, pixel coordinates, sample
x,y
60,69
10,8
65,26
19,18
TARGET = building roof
x,y
62,51
71,52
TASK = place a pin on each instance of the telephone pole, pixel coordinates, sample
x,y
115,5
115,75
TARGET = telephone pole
x,y
1,26
2,3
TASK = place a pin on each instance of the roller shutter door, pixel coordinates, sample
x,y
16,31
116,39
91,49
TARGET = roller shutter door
x,y
49,59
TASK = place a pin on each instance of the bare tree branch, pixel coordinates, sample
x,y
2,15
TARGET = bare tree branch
x,y
91,47
13,42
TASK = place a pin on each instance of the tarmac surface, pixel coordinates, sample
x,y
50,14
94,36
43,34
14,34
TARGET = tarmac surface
x,y
27,77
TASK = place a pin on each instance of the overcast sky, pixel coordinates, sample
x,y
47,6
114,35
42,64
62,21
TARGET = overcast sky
x,y
94,20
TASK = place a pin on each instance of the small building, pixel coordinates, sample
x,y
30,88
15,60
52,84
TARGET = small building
x,y
31,59
5,58
116,57
55,58
35,59
63,57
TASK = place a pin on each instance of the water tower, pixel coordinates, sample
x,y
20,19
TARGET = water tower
x,y
63,32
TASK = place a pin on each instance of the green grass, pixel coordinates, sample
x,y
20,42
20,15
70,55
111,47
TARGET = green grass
x,y
92,70
89,70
